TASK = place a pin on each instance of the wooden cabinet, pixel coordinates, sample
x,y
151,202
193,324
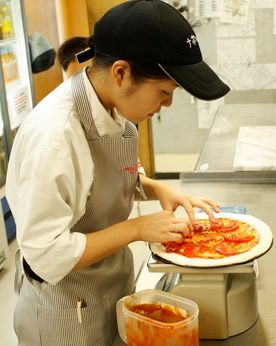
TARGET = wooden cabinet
x,y
96,9
41,17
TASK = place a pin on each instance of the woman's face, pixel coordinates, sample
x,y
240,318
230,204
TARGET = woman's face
x,y
136,101
141,101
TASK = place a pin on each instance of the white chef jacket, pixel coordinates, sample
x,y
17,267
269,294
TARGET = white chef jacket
x,y
49,177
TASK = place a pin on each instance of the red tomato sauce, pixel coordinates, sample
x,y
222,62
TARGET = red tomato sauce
x,y
142,333
159,313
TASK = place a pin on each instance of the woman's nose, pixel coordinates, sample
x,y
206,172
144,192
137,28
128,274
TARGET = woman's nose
x,y
168,101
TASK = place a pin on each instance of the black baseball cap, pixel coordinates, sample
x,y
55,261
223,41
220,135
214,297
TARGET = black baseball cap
x,y
152,31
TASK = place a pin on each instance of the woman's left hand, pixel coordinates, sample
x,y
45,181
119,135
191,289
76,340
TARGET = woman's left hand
x,y
171,199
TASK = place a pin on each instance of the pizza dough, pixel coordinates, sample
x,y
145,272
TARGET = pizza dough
x,y
247,251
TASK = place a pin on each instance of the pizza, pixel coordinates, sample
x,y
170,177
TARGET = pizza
x,y
215,246
220,238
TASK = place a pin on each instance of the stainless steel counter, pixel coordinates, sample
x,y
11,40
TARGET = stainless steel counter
x,y
219,149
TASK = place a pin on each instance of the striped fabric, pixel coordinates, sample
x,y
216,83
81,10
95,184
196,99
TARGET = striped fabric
x,y
53,308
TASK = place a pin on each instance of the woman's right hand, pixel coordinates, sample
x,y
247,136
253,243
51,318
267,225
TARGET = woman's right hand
x,y
160,227
153,228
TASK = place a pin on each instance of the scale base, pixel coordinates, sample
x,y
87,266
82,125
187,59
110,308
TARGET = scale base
x,y
228,303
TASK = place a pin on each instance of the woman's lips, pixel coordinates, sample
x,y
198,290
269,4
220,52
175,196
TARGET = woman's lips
x,y
153,113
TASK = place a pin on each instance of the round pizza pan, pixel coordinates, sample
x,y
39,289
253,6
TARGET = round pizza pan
x,y
264,244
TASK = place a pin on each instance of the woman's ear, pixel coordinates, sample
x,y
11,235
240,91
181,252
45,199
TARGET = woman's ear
x,y
121,73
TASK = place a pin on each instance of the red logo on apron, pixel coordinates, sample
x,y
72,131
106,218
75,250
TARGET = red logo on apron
x,y
132,169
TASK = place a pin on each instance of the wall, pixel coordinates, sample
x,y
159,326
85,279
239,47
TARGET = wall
x,y
72,20
97,8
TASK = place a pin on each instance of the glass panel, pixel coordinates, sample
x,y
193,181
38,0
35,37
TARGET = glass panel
x,y
3,159
200,136
177,136
15,69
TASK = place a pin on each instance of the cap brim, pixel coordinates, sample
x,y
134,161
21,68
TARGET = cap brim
x,y
198,79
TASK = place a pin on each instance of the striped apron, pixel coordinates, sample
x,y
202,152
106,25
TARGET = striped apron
x,y
47,314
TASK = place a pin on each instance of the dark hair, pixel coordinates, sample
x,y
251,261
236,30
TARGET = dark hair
x,y
140,71
67,51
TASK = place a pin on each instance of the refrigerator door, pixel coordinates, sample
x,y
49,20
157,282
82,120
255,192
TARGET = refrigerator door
x,y
4,250
3,157
3,134
15,65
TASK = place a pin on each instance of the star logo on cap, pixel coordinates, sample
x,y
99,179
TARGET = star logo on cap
x,y
192,40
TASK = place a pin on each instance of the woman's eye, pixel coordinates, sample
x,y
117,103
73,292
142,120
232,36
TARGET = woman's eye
x,y
165,93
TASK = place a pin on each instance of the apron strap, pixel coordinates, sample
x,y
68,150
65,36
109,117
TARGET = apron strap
x,y
83,106
87,121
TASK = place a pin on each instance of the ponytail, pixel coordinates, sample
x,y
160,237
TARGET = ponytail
x,y
68,50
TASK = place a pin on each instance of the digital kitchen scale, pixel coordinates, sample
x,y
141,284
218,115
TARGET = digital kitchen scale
x,y
226,296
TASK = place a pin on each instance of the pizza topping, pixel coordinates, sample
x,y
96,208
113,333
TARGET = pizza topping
x,y
239,237
216,224
173,246
226,249
191,250
202,226
224,225
219,238
198,227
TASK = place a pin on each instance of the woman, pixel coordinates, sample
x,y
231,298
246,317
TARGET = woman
x,y
73,173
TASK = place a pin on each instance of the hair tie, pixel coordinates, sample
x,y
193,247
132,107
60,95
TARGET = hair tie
x,y
87,53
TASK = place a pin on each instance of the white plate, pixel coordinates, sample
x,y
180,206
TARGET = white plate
x,y
262,247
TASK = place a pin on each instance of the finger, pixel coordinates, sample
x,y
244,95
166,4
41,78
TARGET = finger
x,y
185,222
187,225
167,213
189,210
208,211
182,238
181,228
205,208
212,203
186,231
175,236
190,227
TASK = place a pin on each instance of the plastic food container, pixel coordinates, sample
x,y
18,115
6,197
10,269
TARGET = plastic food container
x,y
157,318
